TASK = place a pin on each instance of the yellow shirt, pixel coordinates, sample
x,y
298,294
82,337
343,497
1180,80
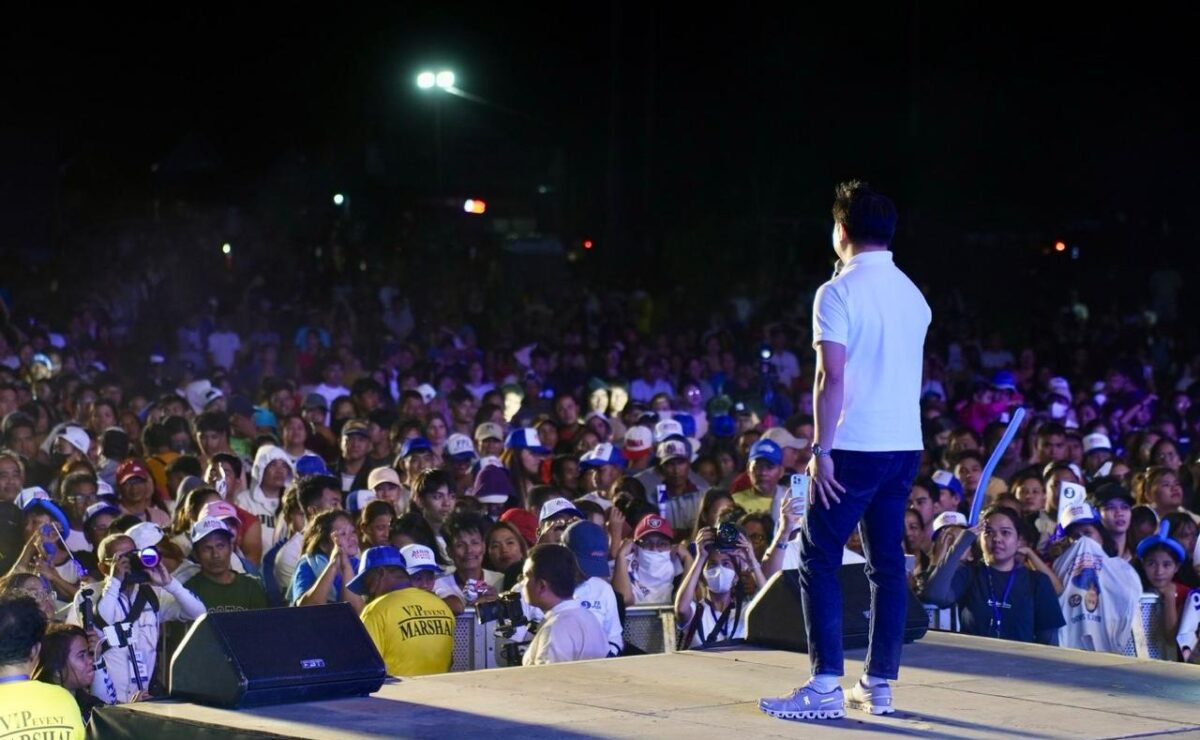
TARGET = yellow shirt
x,y
755,503
413,630
37,709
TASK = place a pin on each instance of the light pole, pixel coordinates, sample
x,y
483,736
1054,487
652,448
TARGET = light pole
x,y
442,81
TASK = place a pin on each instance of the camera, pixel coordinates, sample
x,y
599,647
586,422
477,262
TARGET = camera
x,y
507,611
727,537
141,562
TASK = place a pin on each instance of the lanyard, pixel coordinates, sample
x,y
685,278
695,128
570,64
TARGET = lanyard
x,y
997,606
14,679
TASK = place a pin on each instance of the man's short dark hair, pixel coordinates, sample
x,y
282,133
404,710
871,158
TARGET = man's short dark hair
x,y
22,625
155,438
868,217
968,455
1050,429
14,421
186,464
557,566
461,522
177,425
230,459
365,385
310,488
429,481
212,421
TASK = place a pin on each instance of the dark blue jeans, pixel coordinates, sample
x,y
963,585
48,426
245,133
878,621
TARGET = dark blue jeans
x,y
877,486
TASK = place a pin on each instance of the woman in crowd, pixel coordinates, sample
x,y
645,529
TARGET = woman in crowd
x,y
1000,597
295,432
1160,559
66,660
505,547
329,563
714,503
715,577
375,524
1159,488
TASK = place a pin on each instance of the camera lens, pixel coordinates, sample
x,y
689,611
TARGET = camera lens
x,y
148,557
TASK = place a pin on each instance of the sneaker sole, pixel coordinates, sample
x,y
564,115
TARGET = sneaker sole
x,y
810,714
870,708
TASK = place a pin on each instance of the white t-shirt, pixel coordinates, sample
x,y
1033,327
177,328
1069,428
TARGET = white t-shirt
x,y
569,633
331,393
875,311
223,347
286,561
734,629
595,595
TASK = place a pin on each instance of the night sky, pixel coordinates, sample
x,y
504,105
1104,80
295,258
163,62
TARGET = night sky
x,y
1010,124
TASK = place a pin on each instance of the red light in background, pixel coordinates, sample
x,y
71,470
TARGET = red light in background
x,y
587,244
1060,247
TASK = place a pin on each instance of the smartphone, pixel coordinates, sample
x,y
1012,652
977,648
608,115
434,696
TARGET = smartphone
x,y
799,491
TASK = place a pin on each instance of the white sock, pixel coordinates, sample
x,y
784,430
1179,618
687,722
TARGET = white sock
x,y
823,683
869,681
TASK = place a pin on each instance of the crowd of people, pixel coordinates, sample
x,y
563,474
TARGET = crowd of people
x,y
418,465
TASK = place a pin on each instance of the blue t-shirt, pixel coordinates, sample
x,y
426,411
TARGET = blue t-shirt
x,y
1029,608
308,572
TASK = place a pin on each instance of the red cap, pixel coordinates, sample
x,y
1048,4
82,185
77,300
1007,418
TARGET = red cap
x,y
526,523
131,468
653,523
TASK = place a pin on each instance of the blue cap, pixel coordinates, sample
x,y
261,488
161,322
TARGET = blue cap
x,y
415,444
1004,380
688,422
944,479
723,426
765,449
601,455
311,465
264,418
374,557
525,438
1164,539
588,541
36,497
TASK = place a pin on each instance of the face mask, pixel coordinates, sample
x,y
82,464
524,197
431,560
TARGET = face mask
x,y
655,567
719,579
1058,410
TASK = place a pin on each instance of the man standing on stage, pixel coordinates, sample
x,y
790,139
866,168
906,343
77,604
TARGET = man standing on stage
x,y
869,325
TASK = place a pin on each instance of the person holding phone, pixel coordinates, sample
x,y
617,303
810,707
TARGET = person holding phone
x,y
869,324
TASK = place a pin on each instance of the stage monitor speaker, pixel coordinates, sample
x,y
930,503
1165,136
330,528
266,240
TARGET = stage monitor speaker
x,y
272,656
775,617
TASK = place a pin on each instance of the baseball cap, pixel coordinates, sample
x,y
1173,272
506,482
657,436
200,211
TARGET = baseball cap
x,y
356,501
311,465
427,391
415,444
145,534
460,447
418,558
492,485
1004,380
765,449
590,544
945,479
315,401
1060,386
374,557
77,437
218,510
1162,538
638,442
382,474
489,430
653,523
356,427
601,455
1077,513
205,526
672,449
524,521
785,439
722,426
948,519
36,497
556,506
239,406
1112,492
666,429
130,469
265,418
1061,465
1096,443
525,438
98,508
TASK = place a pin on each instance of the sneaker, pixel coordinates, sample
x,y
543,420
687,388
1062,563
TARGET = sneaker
x,y
874,699
806,703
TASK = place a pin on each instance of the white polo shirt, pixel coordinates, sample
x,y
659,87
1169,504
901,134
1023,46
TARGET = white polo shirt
x,y
876,312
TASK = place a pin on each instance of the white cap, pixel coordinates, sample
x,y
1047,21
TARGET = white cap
x,y
77,437
785,439
1060,386
356,501
667,428
460,444
556,506
197,394
427,392
204,527
638,439
146,534
1096,442
1078,512
29,494
948,519
418,558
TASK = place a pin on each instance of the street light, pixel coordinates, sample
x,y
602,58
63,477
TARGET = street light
x,y
427,80
445,79
338,199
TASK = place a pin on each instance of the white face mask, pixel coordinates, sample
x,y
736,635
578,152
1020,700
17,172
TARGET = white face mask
x,y
654,568
719,578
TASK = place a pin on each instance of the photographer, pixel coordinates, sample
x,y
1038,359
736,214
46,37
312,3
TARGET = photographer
x,y
137,596
569,632
719,616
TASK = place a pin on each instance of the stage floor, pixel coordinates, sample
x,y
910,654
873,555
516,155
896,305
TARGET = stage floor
x,y
952,686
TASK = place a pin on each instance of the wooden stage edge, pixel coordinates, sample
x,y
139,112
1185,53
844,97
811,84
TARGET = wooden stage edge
x,y
951,686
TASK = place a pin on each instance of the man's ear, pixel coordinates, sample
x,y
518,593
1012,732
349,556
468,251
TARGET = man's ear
x,y
33,654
